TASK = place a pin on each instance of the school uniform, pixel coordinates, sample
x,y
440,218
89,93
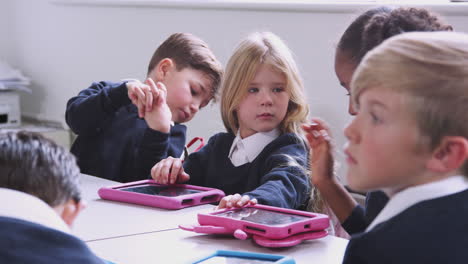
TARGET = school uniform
x,y
360,217
421,224
32,232
272,168
113,142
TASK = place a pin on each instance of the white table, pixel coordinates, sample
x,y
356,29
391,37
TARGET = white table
x,y
90,186
178,246
127,233
104,219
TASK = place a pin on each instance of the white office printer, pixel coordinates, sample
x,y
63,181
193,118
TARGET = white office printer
x,y
10,113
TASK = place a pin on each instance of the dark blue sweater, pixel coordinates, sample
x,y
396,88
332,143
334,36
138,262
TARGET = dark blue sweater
x,y
113,142
26,242
432,231
272,177
361,218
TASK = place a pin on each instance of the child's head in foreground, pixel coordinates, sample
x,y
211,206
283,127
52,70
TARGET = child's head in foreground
x,y
262,89
190,72
37,166
411,95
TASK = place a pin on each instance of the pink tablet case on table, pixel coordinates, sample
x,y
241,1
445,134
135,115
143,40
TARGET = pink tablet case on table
x,y
268,226
174,196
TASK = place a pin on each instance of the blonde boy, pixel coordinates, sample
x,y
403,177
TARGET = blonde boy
x,y
410,139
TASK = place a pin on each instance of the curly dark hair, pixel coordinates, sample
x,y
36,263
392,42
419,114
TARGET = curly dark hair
x,y
380,23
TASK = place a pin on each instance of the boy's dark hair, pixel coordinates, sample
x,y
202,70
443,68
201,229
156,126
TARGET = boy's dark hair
x,y
380,23
35,165
189,51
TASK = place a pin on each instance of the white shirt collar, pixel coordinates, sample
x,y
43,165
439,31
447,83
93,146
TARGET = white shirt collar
x,y
26,207
246,150
413,195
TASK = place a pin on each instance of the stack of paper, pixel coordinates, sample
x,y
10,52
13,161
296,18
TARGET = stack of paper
x,y
12,79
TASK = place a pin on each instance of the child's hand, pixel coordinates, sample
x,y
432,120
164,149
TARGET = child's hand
x,y
321,158
169,171
235,200
140,94
158,116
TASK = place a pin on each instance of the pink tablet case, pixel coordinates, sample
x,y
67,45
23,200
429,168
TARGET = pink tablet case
x,y
268,236
289,241
207,195
314,222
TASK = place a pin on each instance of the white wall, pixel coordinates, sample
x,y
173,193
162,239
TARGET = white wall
x,y
63,48
6,43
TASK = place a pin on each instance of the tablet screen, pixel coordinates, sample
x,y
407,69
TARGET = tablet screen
x,y
233,260
262,216
170,191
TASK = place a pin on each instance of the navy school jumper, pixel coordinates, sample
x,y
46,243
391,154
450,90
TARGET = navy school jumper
x,y
430,232
270,178
360,217
113,142
26,242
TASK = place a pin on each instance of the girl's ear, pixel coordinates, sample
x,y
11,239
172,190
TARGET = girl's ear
x,y
450,155
161,70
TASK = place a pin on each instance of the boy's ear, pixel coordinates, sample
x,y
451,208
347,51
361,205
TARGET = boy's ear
x,y
71,210
450,155
162,68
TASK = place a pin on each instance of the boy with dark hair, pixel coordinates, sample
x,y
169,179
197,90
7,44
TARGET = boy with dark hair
x,y
121,141
41,198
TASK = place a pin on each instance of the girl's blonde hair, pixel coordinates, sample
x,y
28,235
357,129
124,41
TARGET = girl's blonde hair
x,y
431,70
265,48
262,48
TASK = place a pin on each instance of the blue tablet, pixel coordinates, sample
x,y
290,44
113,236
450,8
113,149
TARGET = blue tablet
x,y
242,257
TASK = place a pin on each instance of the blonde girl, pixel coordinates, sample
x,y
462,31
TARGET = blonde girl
x,y
262,156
